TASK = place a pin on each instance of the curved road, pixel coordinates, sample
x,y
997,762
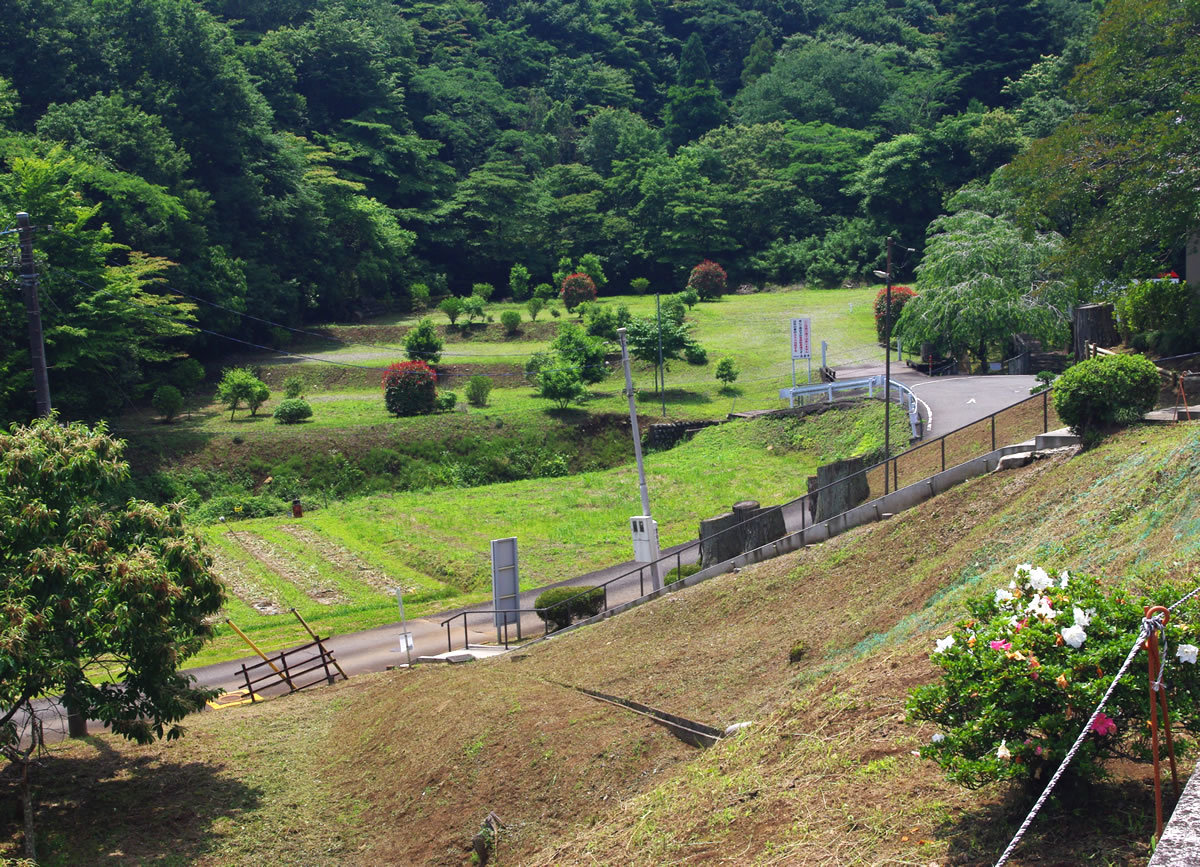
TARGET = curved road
x,y
953,401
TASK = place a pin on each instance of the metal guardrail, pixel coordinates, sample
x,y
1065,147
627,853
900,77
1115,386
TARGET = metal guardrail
x,y
869,384
890,466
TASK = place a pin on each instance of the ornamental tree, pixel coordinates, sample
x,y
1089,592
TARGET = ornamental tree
x,y
410,388
104,597
1023,671
1098,394
576,289
708,279
422,343
901,295
240,386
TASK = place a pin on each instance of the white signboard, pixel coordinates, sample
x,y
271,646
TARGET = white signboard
x,y
406,641
801,338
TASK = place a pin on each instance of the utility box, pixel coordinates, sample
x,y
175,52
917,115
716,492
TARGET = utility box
x,y
645,538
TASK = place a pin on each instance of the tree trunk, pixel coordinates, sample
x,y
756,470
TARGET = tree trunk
x,y
27,817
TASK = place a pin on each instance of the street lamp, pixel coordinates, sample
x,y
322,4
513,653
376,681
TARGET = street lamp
x,y
887,367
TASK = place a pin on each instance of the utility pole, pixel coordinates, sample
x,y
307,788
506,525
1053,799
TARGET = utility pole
x,y
37,346
662,373
655,581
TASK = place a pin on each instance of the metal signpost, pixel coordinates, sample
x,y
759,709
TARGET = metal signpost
x,y
406,638
506,584
801,348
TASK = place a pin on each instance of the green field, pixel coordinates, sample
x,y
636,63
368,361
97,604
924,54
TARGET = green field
x,y
338,564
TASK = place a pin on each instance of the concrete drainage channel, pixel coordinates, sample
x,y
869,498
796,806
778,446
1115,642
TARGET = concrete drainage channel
x,y
689,731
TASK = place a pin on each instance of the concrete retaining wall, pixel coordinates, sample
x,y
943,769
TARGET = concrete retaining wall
x,y
889,504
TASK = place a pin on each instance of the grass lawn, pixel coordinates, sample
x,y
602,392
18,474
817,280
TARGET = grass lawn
x,y
436,544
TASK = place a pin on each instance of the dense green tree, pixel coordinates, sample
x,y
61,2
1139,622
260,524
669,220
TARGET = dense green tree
x,y
694,105
759,60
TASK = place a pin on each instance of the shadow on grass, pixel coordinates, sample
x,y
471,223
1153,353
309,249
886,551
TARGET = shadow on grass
x,y
675,396
112,806
1109,823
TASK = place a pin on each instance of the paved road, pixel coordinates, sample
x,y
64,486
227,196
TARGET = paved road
x,y
953,400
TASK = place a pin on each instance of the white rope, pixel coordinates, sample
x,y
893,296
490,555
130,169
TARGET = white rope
x,y
1148,625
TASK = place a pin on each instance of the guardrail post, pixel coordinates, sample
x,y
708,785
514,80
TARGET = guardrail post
x,y
1046,411
518,624
466,638
449,643
943,442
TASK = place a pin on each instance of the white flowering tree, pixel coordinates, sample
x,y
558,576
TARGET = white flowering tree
x,y
1024,671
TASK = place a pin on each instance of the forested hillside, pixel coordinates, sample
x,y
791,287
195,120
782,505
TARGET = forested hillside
x,y
305,160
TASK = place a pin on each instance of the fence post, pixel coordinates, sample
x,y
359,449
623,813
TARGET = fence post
x,y
993,431
286,674
325,660
1046,411
249,689
943,442
679,564
641,581
449,643
896,473
518,624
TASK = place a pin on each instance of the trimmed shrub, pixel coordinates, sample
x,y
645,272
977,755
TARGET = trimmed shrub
x,y
1098,394
410,388
446,401
561,385
1023,670
679,573
695,354
535,306
1045,379
511,320
293,387
292,411
452,307
423,343
585,601
708,279
483,290
576,289
478,389
901,295
690,297
418,294
639,285
544,291
1157,305
518,282
167,400
555,312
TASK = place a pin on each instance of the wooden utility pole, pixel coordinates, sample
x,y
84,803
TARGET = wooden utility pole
x,y
37,346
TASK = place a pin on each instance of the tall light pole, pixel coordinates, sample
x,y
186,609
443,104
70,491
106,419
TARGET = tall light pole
x,y
887,368
655,582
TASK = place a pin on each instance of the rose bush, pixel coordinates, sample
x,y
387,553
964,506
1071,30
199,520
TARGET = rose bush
x,y
1022,674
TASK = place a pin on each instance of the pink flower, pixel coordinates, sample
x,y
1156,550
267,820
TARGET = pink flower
x,y
1104,725
1000,645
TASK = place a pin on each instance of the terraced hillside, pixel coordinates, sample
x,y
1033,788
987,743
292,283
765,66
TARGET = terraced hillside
x,y
403,766
339,565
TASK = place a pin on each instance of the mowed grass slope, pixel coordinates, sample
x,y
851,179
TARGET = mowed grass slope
x,y
405,765
338,565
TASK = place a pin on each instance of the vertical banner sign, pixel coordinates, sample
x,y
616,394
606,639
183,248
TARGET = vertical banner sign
x,y
801,338
505,581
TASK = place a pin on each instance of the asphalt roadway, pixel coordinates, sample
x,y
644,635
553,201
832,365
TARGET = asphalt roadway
x,y
951,402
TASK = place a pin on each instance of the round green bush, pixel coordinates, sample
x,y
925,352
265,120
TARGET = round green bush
x,y
1023,672
511,320
478,389
1100,393
422,343
446,401
292,411
167,400
585,601
410,388
695,354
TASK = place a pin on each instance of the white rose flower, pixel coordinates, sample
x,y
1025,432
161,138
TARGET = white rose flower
x,y
1084,618
1187,653
1074,636
1039,606
943,644
1039,580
